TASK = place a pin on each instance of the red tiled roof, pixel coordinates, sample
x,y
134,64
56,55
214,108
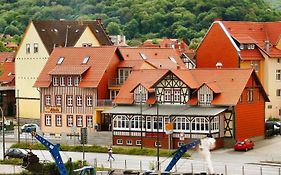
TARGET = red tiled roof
x,y
69,70
154,56
244,39
8,72
254,54
100,58
7,56
229,83
144,77
214,86
256,32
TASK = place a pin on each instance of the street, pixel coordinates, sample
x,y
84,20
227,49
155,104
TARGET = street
x,y
225,161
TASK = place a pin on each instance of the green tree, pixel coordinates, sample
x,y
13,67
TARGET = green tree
x,y
113,28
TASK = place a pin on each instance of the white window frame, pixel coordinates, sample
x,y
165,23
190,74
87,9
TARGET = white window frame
x,y
69,81
47,100
177,95
76,81
119,142
121,122
79,100
89,101
89,123
159,122
55,81
181,124
70,120
123,74
48,120
250,95
201,125
167,95
62,81
79,119
215,124
129,142
27,49
69,100
58,100
138,142
58,120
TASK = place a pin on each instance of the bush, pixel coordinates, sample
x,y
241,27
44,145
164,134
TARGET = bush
x,y
100,149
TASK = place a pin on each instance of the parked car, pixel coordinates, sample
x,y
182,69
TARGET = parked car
x,y
15,153
31,126
243,144
272,128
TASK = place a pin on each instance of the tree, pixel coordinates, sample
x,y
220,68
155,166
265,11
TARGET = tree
x,y
113,28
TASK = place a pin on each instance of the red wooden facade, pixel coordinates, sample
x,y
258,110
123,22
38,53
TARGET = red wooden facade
x,y
217,47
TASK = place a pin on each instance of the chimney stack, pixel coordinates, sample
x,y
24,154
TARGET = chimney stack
x,y
266,45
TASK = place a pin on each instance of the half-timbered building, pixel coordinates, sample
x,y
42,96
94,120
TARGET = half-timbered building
x,y
172,107
73,87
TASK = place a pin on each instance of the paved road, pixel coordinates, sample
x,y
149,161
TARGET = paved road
x,y
224,161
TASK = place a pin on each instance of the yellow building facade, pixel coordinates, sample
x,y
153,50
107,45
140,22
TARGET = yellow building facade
x,y
35,48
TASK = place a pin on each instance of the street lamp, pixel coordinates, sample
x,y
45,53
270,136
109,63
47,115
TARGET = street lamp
x,y
141,116
3,132
158,144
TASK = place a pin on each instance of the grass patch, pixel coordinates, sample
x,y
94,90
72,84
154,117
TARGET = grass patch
x,y
13,161
100,149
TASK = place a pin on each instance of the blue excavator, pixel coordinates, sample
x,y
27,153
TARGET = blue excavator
x,y
180,152
31,159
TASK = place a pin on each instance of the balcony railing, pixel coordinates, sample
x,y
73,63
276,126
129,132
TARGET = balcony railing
x,y
104,103
116,81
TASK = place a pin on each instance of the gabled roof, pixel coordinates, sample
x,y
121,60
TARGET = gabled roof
x,y
227,83
213,86
255,32
230,81
8,72
93,71
62,33
161,58
144,77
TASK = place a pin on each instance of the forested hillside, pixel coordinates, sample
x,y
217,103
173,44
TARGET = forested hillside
x,y
137,19
276,4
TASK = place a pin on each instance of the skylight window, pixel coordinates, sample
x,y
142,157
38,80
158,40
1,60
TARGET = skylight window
x,y
60,60
173,59
86,59
143,56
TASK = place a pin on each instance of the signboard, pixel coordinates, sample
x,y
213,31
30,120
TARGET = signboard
x,y
169,128
53,109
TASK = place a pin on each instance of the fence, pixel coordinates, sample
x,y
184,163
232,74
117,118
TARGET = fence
x,y
191,167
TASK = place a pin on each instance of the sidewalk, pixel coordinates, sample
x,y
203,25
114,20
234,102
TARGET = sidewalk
x,y
10,169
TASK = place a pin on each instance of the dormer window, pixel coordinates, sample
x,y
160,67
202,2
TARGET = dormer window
x,y
205,95
241,46
140,94
60,60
